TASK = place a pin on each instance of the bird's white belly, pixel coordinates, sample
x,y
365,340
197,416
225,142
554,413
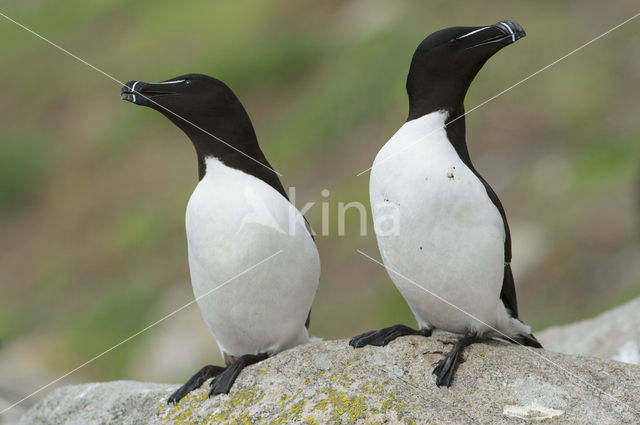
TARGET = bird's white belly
x,y
449,237
253,272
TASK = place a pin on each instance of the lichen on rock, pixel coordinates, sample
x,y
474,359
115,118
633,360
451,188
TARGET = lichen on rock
x,y
332,383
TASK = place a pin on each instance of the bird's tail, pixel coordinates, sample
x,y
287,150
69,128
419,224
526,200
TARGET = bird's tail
x,y
529,340
517,331
313,339
304,337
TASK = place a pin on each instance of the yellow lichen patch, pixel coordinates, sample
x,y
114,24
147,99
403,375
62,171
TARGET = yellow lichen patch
x,y
283,400
392,403
310,421
231,408
242,420
388,402
183,417
263,371
409,421
193,397
341,404
293,413
374,387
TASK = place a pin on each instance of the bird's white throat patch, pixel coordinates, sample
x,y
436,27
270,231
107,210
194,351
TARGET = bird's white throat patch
x,y
262,203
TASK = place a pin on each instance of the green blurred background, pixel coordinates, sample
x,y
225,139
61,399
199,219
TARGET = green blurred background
x,y
93,190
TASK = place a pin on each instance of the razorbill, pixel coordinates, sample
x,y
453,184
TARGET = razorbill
x,y
453,237
253,261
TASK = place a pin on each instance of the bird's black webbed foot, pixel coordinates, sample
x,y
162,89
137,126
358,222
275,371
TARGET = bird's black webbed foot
x,y
195,382
224,381
446,367
385,335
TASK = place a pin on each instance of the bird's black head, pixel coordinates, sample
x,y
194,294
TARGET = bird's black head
x,y
197,98
446,62
209,113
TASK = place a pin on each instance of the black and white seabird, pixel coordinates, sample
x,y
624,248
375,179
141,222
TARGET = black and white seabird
x,y
453,238
238,216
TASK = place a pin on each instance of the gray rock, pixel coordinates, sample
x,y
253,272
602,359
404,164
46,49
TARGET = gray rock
x,y
16,384
614,334
332,383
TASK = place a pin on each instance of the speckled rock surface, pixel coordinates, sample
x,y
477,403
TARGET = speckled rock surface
x,y
332,383
614,334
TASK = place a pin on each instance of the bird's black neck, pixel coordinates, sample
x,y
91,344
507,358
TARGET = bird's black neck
x,y
236,146
456,133
431,93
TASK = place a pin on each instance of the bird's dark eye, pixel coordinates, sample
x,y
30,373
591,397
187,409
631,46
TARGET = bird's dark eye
x,y
187,82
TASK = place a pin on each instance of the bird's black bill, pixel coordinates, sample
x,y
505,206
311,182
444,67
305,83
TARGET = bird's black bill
x,y
503,33
141,93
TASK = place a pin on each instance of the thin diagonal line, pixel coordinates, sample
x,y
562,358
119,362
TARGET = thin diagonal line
x,y
502,92
140,331
389,269
122,84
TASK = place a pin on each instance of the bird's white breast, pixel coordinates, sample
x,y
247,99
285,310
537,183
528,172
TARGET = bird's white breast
x,y
449,236
235,221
